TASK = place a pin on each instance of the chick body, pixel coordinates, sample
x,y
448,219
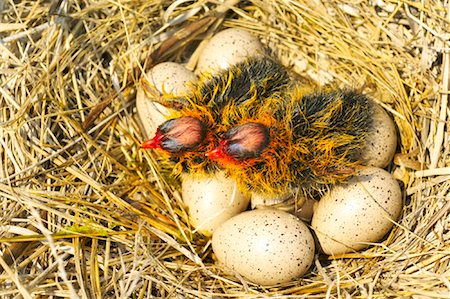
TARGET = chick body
x,y
316,141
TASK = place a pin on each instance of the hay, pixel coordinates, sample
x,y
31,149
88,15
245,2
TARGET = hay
x,y
86,213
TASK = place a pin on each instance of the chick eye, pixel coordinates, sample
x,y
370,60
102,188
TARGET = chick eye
x,y
181,134
246,141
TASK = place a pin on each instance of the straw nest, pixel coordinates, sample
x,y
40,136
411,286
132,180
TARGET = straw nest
x,y
86,213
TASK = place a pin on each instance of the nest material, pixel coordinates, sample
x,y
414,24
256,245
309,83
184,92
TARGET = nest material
x,y
86,213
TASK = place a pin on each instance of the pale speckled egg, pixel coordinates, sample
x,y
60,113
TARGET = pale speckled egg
x,y
168,76
266,246
381,140
352,215
211,201
228,47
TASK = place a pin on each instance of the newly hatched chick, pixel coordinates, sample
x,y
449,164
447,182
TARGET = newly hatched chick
x,y
310,142
202,114
270,136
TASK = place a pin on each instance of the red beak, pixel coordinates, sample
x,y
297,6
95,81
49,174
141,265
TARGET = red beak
x,y
155,142
220,156
216,153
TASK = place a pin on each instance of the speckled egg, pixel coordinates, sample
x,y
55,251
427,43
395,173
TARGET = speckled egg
x,y
353,215
381,141
226,48
266,246
169,77
211,201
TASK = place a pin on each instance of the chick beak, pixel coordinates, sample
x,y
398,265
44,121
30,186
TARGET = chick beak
x,y
216,153
155,142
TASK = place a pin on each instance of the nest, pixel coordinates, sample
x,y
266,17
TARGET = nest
x,y
86,213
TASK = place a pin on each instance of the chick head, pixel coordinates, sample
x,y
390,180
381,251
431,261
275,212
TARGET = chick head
x,y
241,142
178,135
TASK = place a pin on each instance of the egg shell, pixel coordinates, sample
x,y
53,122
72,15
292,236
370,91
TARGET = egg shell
x,y
228,47
170,77
295,202
352,215
266,246
211,201
381,141
261,200
305,211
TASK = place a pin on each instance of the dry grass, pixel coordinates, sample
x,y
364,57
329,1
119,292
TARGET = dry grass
x,y
86,213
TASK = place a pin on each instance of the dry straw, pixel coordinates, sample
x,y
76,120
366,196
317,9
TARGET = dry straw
x,y
87,214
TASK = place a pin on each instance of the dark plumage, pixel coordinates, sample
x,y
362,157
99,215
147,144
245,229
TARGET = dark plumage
x,y
255,77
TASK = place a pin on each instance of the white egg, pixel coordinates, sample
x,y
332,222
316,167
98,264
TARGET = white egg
x,y
170,77
353,215
211,201
266,246
228,47
381,141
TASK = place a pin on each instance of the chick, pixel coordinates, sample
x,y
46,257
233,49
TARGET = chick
x,y
310,142
205,111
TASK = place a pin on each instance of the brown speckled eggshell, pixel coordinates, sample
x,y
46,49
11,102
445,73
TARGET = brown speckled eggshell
x,y
267,246
351,216
175,79
211,201
381,141
226,48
